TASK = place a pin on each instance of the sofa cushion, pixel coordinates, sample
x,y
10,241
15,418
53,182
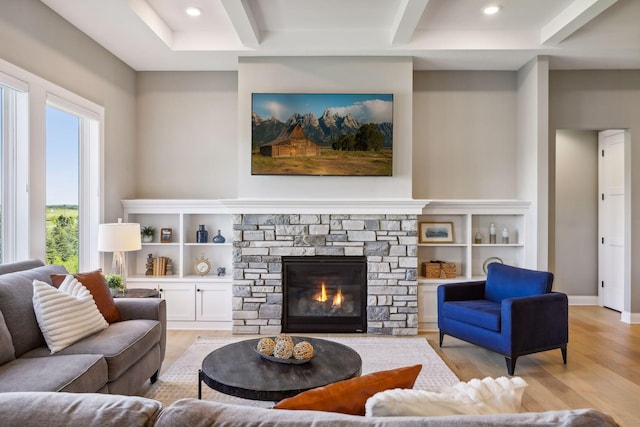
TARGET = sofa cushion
x,y
96,283
16,293
82,373
7,353
505,281
482,313
12,267
476,397
67,314
349,396
122,344
69,409
193,412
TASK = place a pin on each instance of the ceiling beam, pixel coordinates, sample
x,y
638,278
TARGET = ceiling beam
x,y
574,17
406,20
243,21
149,16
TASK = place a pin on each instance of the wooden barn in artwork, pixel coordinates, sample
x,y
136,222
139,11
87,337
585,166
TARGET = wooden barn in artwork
x,y
292,142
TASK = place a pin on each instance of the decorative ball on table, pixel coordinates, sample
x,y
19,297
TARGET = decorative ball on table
x,y
303,350
284,337
266,346
283,349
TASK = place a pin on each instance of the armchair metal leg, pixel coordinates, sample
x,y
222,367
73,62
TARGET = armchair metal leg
x,y
564,354
441,337
511,364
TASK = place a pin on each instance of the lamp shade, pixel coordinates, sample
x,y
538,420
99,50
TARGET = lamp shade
x,y
119,237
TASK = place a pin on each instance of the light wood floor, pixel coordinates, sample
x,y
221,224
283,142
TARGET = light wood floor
x,y
603,369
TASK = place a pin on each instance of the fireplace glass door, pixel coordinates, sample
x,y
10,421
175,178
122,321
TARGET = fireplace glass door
x,y
324,294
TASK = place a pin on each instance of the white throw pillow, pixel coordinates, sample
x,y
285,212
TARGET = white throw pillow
x,y
476,397
66,314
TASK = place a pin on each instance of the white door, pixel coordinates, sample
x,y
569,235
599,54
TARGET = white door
x,y
611,219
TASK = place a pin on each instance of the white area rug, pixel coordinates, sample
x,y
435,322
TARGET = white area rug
x,y
377,353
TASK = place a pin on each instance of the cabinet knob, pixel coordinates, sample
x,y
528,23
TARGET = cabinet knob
x,y
161,290
197,289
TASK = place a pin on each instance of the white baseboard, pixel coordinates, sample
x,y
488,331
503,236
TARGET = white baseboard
x,y
631,318
583,300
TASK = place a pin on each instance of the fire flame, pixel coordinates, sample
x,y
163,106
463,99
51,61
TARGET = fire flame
x,y
322,296
337,299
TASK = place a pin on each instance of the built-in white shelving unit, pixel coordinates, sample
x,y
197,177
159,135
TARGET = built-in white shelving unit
x,y
193,301
470,217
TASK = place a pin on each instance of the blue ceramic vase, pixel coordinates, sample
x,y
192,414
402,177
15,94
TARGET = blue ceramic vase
x,y
202,235
218,238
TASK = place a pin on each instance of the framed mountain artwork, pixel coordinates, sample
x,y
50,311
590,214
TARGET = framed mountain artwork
x,y
322,134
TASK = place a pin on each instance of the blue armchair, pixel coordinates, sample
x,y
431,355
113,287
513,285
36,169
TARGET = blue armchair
x,y
513,313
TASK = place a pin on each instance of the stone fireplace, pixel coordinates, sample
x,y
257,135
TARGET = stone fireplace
x,y
387,242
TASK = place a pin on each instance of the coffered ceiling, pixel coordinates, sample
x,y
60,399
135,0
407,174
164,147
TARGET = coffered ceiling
x,y
438,34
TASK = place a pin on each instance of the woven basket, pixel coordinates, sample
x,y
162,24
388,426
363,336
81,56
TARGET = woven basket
x,y
431,270
438,270
449,270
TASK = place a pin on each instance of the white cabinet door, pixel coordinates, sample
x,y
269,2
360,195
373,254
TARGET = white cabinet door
x,y
428,303
213,302
180,299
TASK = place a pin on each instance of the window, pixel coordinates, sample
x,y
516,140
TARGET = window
x,y
1,145
62,175
13,170
50,154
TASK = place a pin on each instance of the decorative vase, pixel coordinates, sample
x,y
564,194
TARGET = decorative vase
x,y
147,238
505,236
114,291
218,238
202,235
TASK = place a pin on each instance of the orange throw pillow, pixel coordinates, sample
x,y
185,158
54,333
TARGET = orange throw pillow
x,y
350,396
97,285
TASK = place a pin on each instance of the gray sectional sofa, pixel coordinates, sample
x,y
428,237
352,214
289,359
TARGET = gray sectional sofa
x,y
116,360
70,409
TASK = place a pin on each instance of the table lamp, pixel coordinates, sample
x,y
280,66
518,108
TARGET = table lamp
x,y
119,238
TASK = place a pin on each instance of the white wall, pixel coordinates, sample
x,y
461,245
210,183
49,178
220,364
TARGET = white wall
x,y
186,135
576,212
329,75
464,135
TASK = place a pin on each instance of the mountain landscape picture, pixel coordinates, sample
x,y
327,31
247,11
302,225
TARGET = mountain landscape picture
x,y
321,134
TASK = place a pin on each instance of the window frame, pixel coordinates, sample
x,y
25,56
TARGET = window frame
x,y
88,171
24,182
14,154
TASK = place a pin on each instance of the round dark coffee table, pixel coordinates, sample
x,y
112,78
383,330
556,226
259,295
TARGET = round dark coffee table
x,y
236,369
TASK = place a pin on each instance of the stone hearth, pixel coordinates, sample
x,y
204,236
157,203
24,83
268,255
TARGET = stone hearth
x,y
389,242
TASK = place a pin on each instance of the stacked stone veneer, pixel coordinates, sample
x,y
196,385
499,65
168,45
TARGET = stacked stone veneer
x,y
389,243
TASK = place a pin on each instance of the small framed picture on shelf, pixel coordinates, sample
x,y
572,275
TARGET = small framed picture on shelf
x,y
166,235
435,232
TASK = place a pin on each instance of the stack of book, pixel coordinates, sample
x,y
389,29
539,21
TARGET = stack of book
x,y
160,266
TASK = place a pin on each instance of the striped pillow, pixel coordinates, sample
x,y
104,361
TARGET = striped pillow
x,y
66,314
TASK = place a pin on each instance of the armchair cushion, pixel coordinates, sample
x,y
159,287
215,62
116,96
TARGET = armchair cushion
x,y
482,313
505,281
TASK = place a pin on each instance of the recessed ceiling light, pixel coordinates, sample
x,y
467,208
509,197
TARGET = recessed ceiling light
x,y
491,10
193,11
